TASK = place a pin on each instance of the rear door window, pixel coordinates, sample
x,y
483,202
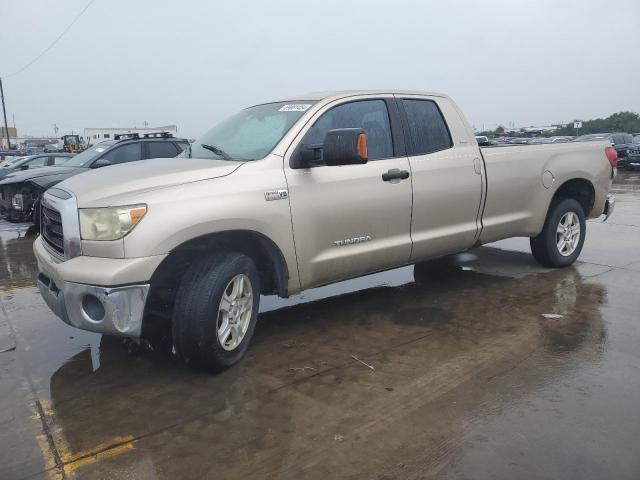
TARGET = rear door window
x,y
370,115
125,153
162,150
427,127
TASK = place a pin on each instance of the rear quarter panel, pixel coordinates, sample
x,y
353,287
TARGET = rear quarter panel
x,y
517,199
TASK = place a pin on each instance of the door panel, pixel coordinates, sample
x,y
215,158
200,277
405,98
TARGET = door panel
x,y
447,178
349,204
446,199
347,220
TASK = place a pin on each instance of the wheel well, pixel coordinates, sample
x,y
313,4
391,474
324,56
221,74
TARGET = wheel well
x,y
579,189
268,258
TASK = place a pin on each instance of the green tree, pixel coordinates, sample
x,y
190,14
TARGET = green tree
x,y
618,122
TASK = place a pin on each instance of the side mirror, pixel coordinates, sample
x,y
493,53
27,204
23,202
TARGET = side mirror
x,y
345,146
102,162
24,167
342,146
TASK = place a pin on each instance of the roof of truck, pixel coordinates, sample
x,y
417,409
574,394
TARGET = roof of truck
x,y
348,93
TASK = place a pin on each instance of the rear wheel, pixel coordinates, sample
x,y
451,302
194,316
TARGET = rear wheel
x,y
561,240
215,311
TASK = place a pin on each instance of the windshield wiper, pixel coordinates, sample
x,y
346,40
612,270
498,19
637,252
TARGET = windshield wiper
x,y
217,150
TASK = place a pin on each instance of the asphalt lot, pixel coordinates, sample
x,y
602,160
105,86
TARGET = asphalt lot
x,y
468,379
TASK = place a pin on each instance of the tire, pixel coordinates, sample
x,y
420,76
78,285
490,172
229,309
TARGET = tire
x,y
546,246
198,313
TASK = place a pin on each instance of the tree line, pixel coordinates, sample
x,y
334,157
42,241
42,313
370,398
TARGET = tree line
x,y
628,122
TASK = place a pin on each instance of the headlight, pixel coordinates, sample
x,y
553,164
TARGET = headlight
x,y
109,223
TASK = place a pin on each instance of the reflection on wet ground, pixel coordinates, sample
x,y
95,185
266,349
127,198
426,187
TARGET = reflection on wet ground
x,y
627,177
467,378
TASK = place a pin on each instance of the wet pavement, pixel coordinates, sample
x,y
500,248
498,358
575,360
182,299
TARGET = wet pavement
x,y
448,371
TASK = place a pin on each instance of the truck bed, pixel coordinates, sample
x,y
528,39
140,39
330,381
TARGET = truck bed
x,y
514,198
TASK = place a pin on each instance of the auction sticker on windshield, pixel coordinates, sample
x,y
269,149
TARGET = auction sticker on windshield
x,y
295,107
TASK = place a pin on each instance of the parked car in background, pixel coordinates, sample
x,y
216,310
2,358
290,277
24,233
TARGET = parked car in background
x,y
292,195
9,159
620,141
33,161
7,156
561,139
483,141
20,192
633,154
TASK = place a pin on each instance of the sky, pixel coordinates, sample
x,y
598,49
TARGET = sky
x,y
194,62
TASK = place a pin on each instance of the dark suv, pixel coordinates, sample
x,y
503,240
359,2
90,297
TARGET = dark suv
x,y
633,154
622,142
20,192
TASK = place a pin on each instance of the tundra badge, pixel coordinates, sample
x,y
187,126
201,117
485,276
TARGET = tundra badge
x,y
352,241
281,194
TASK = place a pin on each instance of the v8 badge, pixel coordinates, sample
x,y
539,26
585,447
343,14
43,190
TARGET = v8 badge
x,y
281,194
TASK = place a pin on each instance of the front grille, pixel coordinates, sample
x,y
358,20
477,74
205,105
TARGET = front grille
x,y
51,229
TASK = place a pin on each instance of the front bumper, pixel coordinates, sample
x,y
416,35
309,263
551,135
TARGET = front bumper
x,y
609,206
114,311
104,295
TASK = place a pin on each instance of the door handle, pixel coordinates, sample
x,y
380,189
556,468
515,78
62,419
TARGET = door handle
x,y
395,174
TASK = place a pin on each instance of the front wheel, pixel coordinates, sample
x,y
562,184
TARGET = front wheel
x,y
215,311
560,242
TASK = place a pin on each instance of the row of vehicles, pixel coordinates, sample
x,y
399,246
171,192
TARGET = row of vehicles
x,y
24,180
626,145
291,195
67,144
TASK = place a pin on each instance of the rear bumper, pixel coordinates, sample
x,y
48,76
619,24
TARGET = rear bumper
x,y
609,206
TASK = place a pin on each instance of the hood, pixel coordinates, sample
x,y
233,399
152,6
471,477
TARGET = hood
x,y
62,172
107,183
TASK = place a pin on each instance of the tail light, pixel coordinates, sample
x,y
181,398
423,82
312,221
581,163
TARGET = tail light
x,y
612,155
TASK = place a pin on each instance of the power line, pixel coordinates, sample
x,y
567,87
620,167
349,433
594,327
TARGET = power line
x,y
57,39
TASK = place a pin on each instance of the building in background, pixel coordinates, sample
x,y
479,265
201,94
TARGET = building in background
x,y
96,135
13,134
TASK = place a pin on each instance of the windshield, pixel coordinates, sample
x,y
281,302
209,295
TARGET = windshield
x,y
84,158
250,134
13,162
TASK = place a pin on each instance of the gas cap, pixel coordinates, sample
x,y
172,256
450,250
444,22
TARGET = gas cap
x,y
548,179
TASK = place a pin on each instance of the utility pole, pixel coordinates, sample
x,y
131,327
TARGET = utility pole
x,y
55,129
4,114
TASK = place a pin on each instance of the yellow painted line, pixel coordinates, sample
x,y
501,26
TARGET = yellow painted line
x,y
47,455
46,408
72,461
115,443
84,461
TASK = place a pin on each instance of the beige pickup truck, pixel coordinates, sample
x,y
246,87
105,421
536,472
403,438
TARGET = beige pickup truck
x,y
294,194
